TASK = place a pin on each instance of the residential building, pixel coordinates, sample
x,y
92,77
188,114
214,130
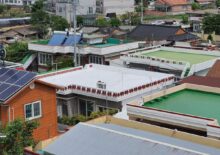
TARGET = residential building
x,y
17,34
180,61
196,17
21,96
17,2
93,48
114,6
190,107
109,135
173,6
84,7
161,34
205,4
100,87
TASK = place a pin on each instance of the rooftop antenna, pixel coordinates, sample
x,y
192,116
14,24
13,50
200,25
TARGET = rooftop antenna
x,y
75,4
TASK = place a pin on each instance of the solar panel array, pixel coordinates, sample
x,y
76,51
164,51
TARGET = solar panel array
x,y
63,39
11,81
57,39
71,40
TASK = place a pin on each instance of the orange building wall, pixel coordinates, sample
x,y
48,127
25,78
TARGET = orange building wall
x,y
48,121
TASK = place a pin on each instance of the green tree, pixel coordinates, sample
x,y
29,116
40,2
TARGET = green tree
x,y
2,8
40,21
115,22
79,20
38,5
196,6
16,51
58,23
102,22
18,136
39,18
218,3
211,23
185,19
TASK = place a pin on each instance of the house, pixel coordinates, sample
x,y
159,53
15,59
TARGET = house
x,y
105,7
205,4
173,6
160,34
65,9
196,17
21,96
47,53
100,87
180,61
92,48
20,33
17,2
190,107
109,135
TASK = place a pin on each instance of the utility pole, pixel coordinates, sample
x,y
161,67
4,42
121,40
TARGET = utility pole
x,y
75,3
142,11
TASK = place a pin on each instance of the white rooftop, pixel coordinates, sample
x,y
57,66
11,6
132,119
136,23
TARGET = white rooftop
x,y
117,79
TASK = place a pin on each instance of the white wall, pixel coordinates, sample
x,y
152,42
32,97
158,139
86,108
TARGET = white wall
x,y
66,10
118,6
12,2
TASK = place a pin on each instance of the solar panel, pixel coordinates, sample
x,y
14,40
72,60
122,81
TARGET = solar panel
x,y
11,81
57,39
71,40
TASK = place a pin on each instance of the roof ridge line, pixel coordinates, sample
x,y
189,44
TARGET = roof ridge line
x,y
144,139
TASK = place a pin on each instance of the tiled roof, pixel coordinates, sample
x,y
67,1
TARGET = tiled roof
x,y
172,2
153,32
215,70
205,81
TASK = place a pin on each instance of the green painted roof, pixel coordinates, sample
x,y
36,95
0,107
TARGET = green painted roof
x,y
179,56
197,103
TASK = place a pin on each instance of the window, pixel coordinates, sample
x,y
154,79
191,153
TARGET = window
x,y
90,10
95,59
45,59
86,107
32,110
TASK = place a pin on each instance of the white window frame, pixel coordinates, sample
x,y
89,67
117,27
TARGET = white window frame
x,y
42,58
32,106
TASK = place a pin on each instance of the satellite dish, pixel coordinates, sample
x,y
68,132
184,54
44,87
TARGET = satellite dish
x,y
2,52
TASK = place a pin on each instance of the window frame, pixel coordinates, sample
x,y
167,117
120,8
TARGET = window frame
x,y
86,101
43,57
32,112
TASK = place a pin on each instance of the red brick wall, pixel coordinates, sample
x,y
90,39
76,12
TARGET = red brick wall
x,y
48,121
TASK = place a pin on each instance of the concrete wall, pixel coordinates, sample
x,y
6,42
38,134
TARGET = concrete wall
x,y
118,6
85,7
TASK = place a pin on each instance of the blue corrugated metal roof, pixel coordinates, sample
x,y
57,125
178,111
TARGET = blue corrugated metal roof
x,y
86,139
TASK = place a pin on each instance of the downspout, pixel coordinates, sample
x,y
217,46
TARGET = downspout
x,y
9,113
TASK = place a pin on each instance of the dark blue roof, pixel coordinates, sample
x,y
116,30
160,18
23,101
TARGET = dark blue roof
x,y
57,39
72,39
11,81
61,39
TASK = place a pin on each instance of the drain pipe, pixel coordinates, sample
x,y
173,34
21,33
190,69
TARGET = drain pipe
x,y
9,112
